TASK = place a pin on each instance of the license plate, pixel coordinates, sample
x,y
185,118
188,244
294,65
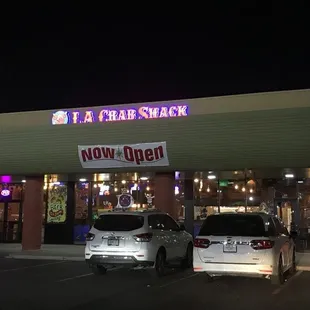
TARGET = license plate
x,y
229,248
113,242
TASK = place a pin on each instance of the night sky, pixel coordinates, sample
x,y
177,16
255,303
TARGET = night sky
x,y
60,58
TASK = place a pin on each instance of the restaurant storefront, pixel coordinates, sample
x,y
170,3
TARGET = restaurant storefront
x,y
60,169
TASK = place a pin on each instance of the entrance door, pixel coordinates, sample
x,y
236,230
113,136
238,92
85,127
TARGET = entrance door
x,y
10,221
287,210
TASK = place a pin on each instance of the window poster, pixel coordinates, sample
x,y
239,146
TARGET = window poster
x,y
57,204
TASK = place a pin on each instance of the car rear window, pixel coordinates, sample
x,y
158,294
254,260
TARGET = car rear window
x,y
117,222
233,225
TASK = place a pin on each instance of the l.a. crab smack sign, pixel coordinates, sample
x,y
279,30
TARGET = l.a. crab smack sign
x,y
126,155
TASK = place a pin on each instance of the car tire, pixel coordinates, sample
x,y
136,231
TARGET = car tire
x,y
279,278
293,267
160,264
98,270
187,261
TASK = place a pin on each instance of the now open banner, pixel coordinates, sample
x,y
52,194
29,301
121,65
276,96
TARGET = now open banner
x,y
152,154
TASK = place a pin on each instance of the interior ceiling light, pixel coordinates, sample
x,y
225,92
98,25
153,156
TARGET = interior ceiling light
x,y
289,175
211,177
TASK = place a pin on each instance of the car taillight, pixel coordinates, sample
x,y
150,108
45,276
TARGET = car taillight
x,y
261,244
147,237
201,243
90,237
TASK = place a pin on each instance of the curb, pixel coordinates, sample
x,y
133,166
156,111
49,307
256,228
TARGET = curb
x,y
45,257
303,268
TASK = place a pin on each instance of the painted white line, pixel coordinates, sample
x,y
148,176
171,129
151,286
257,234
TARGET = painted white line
x,y
278,290
179,280
34,266
85,275
76,277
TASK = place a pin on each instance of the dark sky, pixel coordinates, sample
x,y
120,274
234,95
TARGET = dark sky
x,y
58,58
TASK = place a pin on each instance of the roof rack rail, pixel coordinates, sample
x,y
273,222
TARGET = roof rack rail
x,y
151,210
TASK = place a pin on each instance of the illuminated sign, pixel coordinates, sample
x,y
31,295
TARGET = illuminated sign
x,y
101,115
5,193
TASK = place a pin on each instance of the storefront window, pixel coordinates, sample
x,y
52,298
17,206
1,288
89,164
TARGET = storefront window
x,y
303,187
57,203
126,190
81,202
227,191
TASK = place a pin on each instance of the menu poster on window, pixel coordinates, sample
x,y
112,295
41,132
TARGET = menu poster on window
x,y
57,205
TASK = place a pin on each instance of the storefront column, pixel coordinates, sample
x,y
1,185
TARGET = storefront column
x,y
189,203
33,210
164,193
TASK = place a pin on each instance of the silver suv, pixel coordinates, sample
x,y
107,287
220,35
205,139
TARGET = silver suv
x,y
147,239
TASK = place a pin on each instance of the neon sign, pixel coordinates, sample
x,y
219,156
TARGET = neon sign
x,y
5,193
102,115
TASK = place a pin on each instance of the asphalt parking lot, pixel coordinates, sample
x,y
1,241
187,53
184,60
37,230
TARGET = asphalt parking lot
x,y
33,284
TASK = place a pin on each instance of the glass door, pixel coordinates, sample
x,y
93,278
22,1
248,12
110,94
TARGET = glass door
x,y
2,211
10,221
287,212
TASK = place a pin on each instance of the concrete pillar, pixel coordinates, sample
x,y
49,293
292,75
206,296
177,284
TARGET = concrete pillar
x,y
33,209
189,203
164,193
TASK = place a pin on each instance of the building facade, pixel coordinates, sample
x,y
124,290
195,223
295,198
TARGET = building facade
x,y
60,169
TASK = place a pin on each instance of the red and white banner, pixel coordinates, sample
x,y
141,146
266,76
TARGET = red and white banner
x,y
126,155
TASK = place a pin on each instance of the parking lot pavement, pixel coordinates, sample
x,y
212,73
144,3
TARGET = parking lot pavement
x,y
44,285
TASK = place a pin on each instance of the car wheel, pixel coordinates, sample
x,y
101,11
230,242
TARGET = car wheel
x,y
279,278
293,267
160,264
187,261
98,270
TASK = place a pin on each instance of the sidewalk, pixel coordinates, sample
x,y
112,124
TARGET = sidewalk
x,y
76,253
47,252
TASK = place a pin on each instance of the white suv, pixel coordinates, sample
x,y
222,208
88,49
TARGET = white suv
x,y
148,239
244,244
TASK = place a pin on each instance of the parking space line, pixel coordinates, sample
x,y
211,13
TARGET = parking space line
x,y
85,275
33,266
179,280
278,290
76,277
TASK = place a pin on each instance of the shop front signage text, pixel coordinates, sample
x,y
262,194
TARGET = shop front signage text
x,y
126,155
112,115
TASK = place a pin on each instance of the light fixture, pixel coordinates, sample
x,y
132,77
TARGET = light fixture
x,y
24,181
251,198
300,182
123,182
251,190
176,190
208,189
236,186
196,180
243,189
289,175
82,180
211,177
115,189
147,188
95,185
143,178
